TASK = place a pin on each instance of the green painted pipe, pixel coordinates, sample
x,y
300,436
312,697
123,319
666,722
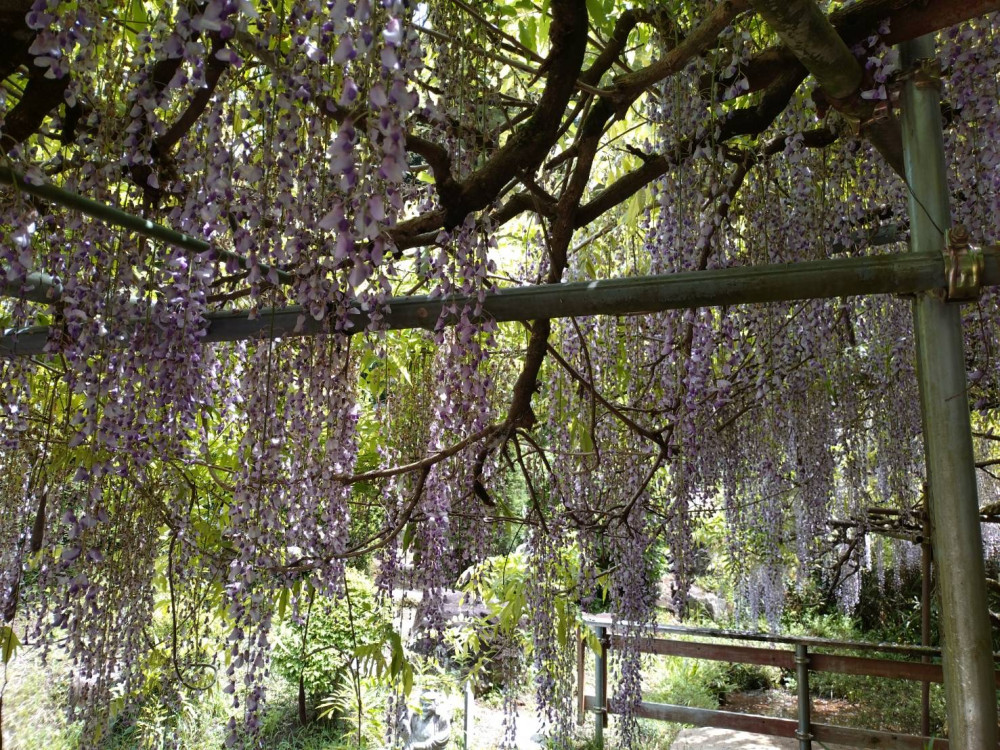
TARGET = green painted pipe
x,y
118,218
956,535
904,273
35,287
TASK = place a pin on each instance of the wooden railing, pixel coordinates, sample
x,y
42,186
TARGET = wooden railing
x,y
799,654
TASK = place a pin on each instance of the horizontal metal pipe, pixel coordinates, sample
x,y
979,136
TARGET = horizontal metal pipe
x,y
904,273
35,287
119,218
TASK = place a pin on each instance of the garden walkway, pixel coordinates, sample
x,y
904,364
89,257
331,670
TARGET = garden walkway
x,y
709,738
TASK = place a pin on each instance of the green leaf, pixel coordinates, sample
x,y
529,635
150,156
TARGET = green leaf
x,y
8,642
408,533
282,603
527,33
407,679
598,12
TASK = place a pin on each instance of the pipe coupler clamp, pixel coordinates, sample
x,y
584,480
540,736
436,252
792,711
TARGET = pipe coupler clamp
x,y
925,74
963,265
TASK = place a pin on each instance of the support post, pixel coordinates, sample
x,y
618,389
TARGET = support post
x,y
925,619
953,497
601,686
804,733
467,716
581,690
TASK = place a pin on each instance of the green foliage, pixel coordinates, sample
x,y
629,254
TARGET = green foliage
x,y
701,683
194,719
336,636
394,667
360,706
879,703
501,582
33,700
684,682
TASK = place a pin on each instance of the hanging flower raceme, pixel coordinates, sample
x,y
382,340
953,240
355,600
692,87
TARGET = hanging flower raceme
x,y
461,407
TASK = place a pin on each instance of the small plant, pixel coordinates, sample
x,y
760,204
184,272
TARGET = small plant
x,y
361,706
333,637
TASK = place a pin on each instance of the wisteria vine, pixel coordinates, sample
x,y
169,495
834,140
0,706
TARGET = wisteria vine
x,y
336,154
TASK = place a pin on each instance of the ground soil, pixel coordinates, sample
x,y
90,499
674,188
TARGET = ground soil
x,y
782,704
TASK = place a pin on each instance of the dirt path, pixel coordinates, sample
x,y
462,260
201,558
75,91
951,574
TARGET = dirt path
x,y
709,738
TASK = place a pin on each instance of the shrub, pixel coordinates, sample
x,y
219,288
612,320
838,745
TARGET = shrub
x,y
317,652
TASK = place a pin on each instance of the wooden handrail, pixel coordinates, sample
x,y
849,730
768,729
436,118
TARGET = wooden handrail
x,y
782,658
749,635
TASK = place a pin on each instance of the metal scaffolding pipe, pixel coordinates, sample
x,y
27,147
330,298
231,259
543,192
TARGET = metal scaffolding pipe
x,y
118,218
953,497
804,731
35,287
601,686
902,273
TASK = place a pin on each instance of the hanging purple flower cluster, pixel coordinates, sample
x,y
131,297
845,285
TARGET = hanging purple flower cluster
x,y
289,520
276,135
461,407
143,389
552,653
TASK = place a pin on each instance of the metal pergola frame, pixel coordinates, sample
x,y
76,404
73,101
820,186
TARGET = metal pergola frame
x,y
926,273
900,273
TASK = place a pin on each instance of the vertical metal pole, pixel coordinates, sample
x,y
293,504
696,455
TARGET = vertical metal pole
x,y
804,735
601,686
925,620
954,502
467,718
580,685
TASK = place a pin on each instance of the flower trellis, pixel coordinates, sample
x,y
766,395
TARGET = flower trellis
x,y
344,169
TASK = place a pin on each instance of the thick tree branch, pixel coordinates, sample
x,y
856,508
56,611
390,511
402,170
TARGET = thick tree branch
x,y
751,121
214,67
529,144
626,22
907,19
811,37
628,88
41,95
15,36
